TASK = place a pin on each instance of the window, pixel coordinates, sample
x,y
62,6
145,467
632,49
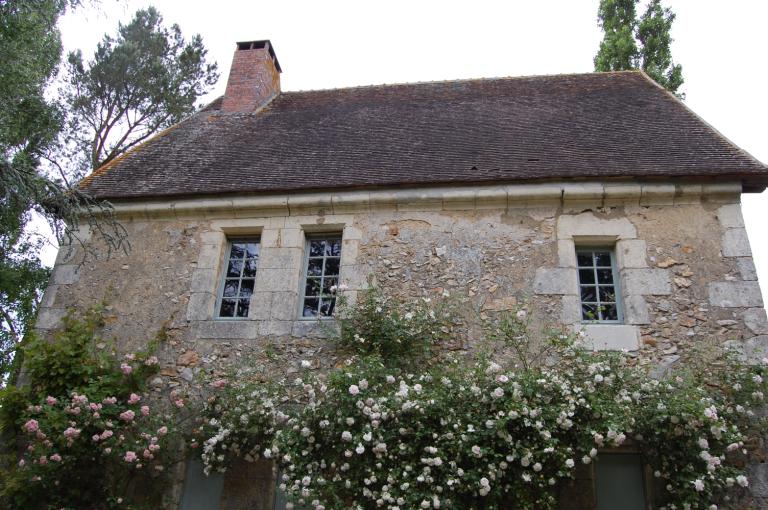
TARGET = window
x,y
598,285
239,278
620,482
321,276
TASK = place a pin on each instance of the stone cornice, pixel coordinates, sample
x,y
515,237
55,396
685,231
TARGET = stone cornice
x,y
595,194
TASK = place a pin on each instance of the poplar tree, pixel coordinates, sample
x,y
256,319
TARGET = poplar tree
x,y
643,43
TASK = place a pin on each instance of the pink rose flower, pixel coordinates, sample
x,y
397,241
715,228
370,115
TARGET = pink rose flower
x,y
126,368
162,431
179,403
106,434
145,410
71,433
32,426
50,400
130,457
152,360
55,457
134,398
110,400
127,416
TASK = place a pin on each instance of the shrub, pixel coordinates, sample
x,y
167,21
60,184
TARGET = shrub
x,y
474,435
88,435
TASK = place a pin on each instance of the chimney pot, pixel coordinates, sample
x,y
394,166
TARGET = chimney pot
x,y
254,79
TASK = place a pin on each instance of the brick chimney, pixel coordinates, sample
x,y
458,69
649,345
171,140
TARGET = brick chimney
x,y
254,78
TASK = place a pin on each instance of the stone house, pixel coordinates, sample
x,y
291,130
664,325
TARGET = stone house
x,y
600,199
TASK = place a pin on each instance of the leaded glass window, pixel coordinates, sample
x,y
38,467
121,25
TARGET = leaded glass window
x,y
597,286
321,276
239,278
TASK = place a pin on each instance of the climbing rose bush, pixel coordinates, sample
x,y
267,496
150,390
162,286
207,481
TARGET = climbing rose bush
x,y
485,434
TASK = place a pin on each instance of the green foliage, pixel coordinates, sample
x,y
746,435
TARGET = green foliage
x,y
145,79
631,43
653,34
29,128
87,433
395,330
498,434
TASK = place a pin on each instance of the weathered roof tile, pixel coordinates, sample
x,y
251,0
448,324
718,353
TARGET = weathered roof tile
x,y
596,125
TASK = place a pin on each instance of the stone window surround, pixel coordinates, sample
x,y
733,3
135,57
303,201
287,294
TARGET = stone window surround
x,y
636,278
275,300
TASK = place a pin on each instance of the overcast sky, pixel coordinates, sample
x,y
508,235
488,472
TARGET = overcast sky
x,y
324,44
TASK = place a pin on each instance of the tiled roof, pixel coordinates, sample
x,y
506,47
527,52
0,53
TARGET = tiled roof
x,y
597,125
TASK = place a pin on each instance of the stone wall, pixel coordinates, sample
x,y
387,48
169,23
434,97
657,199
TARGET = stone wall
x,y
683,258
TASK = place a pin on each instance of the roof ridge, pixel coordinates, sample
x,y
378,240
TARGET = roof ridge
x,y
462,80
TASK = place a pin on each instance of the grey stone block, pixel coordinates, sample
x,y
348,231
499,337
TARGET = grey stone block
x,y
66,274
566,253
210,256
314,329
50,318
589,225
631,253
611,337
200,306
730,216
756,320
203,280
755,349
636,310
276,328
736,243
735,295
555,280
281,258
284,306
746,268
571,309
228,329
654,282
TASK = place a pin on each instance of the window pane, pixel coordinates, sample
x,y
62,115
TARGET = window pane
x,y
313,287
605,276
586,276
333,248
235,268
584,259
609,312
250,268
603,259
238,250
227,308
242,307
327,305
607,293
315,267
246,288
230,288
588,294
251,250
327,284
316,248
331,267
310,307
589,312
